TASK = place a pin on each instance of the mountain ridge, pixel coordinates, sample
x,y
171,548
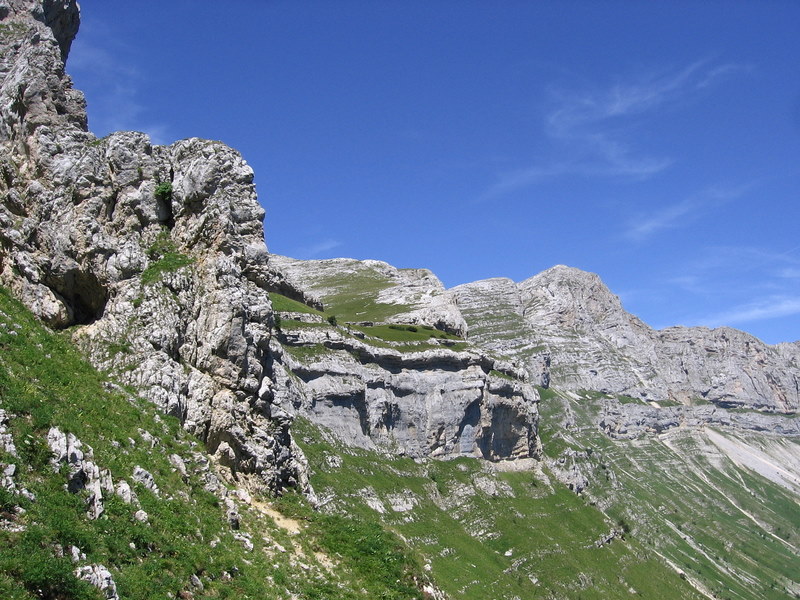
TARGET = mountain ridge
x,y
152,260
593,343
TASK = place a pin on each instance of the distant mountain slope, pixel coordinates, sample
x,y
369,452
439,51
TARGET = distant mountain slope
x,y
371,290
720,503
592,343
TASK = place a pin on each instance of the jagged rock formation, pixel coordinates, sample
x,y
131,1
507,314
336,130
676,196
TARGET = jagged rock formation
x,y
371,290
157,253
433,402
569,318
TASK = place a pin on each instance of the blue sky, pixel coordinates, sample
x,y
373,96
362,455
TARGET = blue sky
x,y
654,143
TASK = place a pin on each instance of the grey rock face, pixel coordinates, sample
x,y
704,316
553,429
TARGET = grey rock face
x,y
157,253
83,473
568,319
494,310
437,403
9,470
101,578
629,421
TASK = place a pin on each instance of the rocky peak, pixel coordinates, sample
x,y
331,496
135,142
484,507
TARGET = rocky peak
x,y
579,296
36,37
156,253
592,343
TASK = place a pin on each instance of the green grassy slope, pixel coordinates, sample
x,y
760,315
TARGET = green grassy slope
x,y
488,534
45,383
730,530
349,289
388,524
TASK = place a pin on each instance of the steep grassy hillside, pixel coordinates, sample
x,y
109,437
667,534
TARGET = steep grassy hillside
x,y
720,505
484,532
192,535
388,526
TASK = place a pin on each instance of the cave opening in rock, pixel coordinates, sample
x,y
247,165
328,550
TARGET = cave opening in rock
x,y
83,294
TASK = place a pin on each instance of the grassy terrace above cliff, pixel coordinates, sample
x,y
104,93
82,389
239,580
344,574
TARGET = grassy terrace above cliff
x,y
374,292
402,337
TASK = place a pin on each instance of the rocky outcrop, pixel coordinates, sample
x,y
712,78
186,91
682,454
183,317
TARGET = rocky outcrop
x,y
155,253
567,319
155,257
435,402
82,472
371,290
630,421
101,578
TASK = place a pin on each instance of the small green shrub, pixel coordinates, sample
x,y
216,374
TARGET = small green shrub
x,y
332,320
161,245
164,191
8,500
35,452
123,347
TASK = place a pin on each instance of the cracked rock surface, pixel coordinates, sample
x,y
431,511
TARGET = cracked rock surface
x,y
155,253
568,319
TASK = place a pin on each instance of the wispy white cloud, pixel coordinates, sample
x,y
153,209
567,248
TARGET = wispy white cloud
x,y
738,285
318,249
588,131
681,213
720,72
736,260
577,110
642,228
758,310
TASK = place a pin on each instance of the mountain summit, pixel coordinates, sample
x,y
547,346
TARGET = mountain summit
x,y
592,343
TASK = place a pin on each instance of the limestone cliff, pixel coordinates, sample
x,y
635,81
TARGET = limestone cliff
x,y
412,399
154,256
155,253
570,319
429,395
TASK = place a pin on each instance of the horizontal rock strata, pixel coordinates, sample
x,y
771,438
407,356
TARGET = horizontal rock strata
x,y
569,320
